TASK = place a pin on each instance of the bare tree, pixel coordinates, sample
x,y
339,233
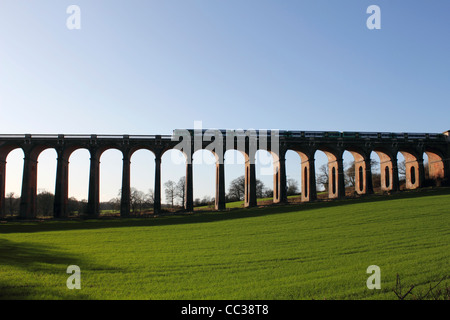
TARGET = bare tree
x,y
170,189
12,203
376,174
349,175
137,200
181,189
401,169
150,197
260,189
322,176
375,166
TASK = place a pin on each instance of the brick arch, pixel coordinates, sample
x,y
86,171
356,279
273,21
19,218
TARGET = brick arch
x,y
414,170
308,173
388,169
336,185
363,170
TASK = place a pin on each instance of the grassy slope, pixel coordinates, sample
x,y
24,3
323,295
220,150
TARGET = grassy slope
x,y
319,250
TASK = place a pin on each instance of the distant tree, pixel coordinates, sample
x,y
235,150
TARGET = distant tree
x,y
74,206
349,175
376,180
374,165
181,189
322,176
13,203
150,197
82,206
170,189
401,169
260,189
426,170
292,187
376,175
267,193
45,202
112,204
236,190
137,200
206,201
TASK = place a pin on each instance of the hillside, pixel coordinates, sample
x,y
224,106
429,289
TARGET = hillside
x,y
310,251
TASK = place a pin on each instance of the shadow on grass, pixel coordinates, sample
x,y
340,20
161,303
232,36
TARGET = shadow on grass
x,y
205,216
30,271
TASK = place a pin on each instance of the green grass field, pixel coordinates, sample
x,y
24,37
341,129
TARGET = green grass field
x,y
308,251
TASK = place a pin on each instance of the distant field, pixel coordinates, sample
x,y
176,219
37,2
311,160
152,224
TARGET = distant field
x,y
308,251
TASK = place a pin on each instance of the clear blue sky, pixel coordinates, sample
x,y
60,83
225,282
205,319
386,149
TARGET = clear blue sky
x,y
147,67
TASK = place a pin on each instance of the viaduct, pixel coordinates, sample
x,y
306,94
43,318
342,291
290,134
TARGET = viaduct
x,y
305,143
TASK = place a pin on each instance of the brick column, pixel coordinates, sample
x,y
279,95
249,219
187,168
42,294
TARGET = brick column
x,y
94,188
2,188
250,184
220,186
157,195
336,183
309,191
363,177
126,190
189,189
61,187
28,199
279,181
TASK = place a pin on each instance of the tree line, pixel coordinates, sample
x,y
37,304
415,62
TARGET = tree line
x,y
175,193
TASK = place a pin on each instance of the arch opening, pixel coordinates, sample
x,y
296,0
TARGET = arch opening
x,y
295,174
376,171
142,182
205,177
110,181
235,169
173,177
46,178
267,177
322,174
78,184
13,175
